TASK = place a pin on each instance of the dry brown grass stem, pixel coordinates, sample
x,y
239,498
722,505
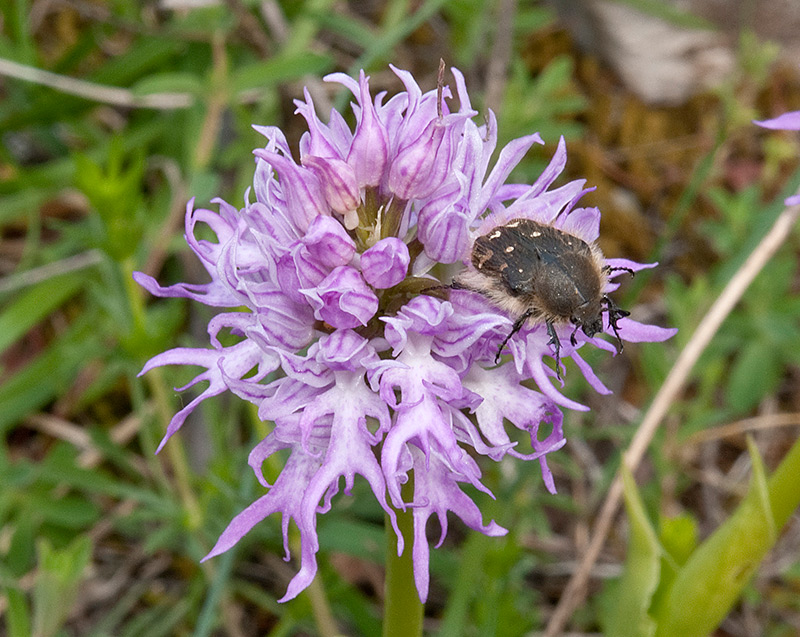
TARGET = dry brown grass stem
x,y
500,56
741,427
96,92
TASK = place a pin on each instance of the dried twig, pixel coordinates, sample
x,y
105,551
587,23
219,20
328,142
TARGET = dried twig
x,y
497,71
17,281
740,427
96,92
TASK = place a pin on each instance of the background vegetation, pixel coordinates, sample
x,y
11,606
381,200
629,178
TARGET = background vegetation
x,y
113,114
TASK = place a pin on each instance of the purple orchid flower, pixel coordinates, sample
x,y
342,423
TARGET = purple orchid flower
x,y
366,363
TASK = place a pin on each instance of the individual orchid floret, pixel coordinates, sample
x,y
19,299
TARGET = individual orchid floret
x,y
340,325
343,299
386,263
338,181
787,121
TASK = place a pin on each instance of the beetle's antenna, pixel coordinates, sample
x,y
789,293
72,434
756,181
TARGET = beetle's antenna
x,y
436,288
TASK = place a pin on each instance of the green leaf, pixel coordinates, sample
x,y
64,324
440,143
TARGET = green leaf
x,y
18,619
756,372
57,580
73,512
353,537
266,73
628,616
18,26
34,304
60,468
713,578
21,551
382,46
343,25
467,20
152,53
352,605
467,584
678,537
114,189
160,621
168,83
49,375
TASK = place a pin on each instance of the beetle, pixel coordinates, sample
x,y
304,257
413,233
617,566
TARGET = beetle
x,y
539,273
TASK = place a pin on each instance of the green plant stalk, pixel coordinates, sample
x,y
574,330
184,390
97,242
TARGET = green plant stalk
x,y
315,594
306,26
155,381
321,608
403,610
468,585
134,294
175,451
215,105
148,438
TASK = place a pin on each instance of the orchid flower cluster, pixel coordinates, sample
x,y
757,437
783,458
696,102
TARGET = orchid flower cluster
x,y
349,342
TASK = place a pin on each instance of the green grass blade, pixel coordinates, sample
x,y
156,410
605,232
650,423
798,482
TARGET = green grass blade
x,y
34,304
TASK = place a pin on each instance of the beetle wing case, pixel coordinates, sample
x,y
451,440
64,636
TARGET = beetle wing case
x,y
526,267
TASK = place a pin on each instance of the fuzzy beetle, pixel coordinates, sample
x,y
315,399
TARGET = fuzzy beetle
x,y
539,273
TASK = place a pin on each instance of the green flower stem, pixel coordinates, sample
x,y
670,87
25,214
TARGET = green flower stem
x,y
321,608
403,612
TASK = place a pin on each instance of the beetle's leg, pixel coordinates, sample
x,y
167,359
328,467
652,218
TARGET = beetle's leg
x,y
572,338
551,332
609,269
615,313
516,328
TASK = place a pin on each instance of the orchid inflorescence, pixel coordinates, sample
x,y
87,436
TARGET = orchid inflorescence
x,y
350,340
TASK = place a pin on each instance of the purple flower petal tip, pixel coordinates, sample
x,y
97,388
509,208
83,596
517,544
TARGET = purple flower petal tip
x,y
786,121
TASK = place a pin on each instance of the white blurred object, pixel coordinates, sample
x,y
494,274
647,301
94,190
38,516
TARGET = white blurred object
x,y
666,63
